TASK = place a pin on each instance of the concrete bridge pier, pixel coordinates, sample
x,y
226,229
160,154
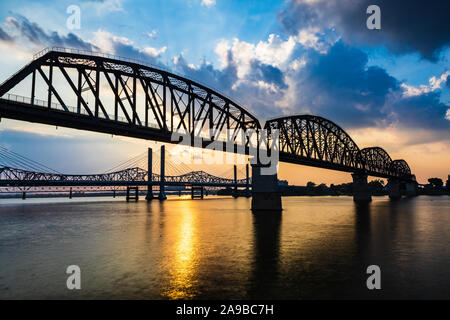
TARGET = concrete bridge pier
x,y
248,194
136,193
411,189
194,195
266,195
149,195
235,189
162,191
361,191
394,189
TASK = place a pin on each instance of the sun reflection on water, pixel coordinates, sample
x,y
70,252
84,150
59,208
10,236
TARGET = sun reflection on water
x,y
184,255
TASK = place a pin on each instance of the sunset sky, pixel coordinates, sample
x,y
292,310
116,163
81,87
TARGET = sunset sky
x,y
388,87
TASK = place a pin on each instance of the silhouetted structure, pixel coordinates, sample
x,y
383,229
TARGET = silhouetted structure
x,y
173,104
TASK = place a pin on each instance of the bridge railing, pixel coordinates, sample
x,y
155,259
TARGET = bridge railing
x,y
57,106
92,53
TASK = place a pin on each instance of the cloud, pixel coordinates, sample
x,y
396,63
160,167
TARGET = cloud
x,y
275,52
5,36
434,84
300,73
24,32
257,91
208,3
406,25
267,74
340,86
122,46
152,35
222,79
337,84
421,111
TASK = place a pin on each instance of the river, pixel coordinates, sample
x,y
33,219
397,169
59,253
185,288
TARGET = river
x,y
216,248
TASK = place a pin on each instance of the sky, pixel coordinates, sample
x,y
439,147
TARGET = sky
x,y
387,87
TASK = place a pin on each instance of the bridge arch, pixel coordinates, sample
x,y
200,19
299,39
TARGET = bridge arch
x,y
376,160
400,168
121,96
313,140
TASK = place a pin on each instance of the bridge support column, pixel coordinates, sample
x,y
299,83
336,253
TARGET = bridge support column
x,y
136,195
394,189
149,195
235,191
193,192
248,194
162,191
361,191
411,189
266,195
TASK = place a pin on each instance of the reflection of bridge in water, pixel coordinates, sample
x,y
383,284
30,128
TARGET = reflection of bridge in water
x,y
107,94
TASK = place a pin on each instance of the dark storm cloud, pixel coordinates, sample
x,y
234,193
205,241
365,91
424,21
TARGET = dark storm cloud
x,y
4,36
337,85
128,50
422,111
206,74
340,86
267,73
406,25
22,28
244,92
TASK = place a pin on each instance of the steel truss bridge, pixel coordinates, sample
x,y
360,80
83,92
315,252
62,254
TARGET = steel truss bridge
x,y
103,93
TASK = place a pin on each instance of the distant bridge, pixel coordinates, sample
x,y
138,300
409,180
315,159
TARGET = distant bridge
x,y
14,177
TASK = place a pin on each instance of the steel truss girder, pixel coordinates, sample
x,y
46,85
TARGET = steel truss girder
x,y
175,103
129,175
316,141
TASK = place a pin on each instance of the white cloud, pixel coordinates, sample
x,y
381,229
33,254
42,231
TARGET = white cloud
x,y
434,84
208,3
154,52
311,38
275,52
152,35
109,43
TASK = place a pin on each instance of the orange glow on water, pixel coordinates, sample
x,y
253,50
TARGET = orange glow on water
x,y
184,254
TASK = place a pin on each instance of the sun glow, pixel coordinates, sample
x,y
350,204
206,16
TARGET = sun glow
x,y
184,255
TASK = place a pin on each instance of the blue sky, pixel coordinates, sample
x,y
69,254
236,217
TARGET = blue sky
x,y
273,57
182,26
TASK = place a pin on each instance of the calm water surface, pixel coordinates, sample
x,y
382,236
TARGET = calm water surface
x,y
318,247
